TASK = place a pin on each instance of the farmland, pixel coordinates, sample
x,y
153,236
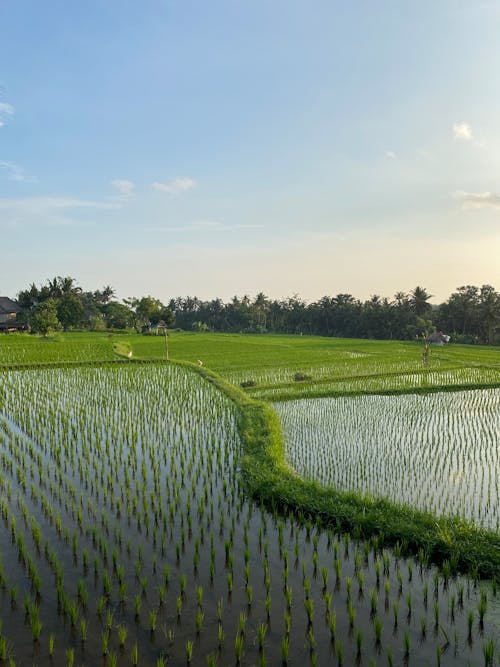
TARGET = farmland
x,y
150,518
278,367
438,452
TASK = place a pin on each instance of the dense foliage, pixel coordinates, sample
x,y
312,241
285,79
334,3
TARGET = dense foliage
x,y
471,314
61,303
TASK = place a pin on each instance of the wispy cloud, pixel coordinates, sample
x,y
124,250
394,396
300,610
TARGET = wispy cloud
x,y
47,211
390,155
463,131
205,226
5,111
175,187
124,187
14,172
475,200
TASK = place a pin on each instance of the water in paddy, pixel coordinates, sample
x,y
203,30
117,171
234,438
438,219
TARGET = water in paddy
x,y
437,452
127,537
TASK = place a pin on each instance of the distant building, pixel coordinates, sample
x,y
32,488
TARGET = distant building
x,y
9,311
438,338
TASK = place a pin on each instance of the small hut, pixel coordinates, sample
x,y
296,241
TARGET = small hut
x,y
159,328
9,311
438,338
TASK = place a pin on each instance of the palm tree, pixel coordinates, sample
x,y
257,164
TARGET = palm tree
x,y
261,306
418,300
489,311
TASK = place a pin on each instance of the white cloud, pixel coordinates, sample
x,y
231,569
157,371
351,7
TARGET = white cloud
x,y
5,110
205,226
175,187
476,200
391,155
124,187
47,211
14,172
463,131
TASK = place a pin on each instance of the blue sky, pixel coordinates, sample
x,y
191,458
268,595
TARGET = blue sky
x,y
172,147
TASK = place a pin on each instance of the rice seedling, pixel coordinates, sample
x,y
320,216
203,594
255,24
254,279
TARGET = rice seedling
x,y
377,626
199,621
359,643
83,630
351,613
105,642
122,635
3,648
220,636
134,655
137,605
285,648
238,648
339,649
489,653
406,643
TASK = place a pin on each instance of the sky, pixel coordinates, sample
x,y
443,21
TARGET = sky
x,y
185,147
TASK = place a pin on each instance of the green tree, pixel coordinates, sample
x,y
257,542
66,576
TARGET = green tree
x,y
44,318
118,315
418,299
463,309
149,311
489,312
70,310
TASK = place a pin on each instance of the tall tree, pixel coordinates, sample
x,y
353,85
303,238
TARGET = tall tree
x,y
419,298
44,318
489,312
70,310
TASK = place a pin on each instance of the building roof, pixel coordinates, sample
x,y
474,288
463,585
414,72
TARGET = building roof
x,y
9,306
436,337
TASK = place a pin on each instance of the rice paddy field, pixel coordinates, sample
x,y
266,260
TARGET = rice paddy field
x,y
277,367
23,349
437,452
130,538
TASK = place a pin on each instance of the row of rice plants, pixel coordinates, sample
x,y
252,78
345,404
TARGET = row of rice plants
x,y
127,540
342,364
24,349
424,380
438,452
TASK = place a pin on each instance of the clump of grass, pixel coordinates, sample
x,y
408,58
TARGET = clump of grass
x,y
301,377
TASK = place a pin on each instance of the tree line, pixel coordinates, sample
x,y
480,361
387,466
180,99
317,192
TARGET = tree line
x,y
471,314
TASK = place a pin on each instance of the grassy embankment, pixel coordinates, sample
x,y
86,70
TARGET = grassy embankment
x,y
275,360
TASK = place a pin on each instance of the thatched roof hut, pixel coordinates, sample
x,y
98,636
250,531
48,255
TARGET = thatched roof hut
x,y
9,311
438,338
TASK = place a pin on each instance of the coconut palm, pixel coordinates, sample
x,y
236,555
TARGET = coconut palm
x,y
418,299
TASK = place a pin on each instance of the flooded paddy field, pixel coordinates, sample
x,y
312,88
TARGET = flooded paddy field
x,y
128,540
436,452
